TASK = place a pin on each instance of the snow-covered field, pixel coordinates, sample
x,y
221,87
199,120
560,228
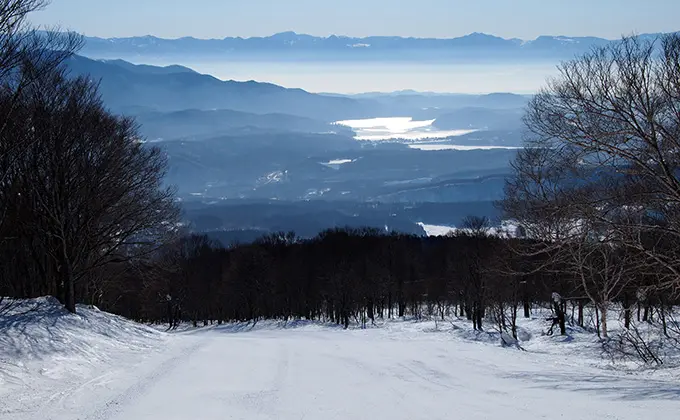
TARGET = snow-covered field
x,y
97,366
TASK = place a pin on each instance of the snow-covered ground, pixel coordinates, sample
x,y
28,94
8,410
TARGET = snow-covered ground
x,y
437,230
506,228
97,366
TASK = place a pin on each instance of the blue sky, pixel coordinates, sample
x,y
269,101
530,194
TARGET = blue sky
x,y
524,19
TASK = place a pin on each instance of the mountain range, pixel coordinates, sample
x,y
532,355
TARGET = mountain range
x,y
134,89
291,45
144,89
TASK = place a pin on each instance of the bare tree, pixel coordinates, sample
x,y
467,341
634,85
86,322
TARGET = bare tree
x,y
603,145
93,191
597,186
26,54
478,226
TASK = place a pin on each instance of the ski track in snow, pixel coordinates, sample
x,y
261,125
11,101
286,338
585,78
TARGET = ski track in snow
x,y
402,370
353,375
103,396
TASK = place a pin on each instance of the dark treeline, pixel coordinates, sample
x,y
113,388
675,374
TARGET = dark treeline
x,y
355,276
343,276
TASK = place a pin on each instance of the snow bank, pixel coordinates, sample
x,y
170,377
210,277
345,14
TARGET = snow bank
x,y
42,345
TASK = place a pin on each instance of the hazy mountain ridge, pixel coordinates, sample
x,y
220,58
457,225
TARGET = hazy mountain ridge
x,y
128,88
141,89
481,118
148,69
475,44
246,220
195,124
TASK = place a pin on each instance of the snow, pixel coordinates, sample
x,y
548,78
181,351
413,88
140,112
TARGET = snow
x,y
377,129
272,178
98,366
48,357
339,161
506,229
437,230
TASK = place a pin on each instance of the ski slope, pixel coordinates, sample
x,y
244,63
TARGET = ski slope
x,y
402,370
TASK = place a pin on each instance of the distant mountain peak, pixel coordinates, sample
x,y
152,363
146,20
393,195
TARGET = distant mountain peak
x,y
293,44
285,34
481,35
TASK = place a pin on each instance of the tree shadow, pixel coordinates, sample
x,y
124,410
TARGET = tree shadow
x,y
266,325
619,387
17,327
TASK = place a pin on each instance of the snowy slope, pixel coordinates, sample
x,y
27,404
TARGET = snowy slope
x,y
45,352
397,370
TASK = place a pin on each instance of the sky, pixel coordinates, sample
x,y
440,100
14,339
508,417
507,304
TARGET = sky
x,y
525,19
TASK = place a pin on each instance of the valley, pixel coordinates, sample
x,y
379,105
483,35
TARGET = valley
x,y
333,160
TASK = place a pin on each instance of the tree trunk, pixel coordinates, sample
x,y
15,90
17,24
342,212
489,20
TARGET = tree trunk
x,y
662,316
67,280
514,321
526,301
474,320
369,309
559,313
527,309
70,292
626,311
603,320
597,321
479,315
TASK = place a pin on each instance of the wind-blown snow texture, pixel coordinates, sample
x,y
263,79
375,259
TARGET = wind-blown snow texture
x,y
97,366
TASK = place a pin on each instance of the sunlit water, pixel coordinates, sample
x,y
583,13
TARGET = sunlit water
x,y
376,129
436,147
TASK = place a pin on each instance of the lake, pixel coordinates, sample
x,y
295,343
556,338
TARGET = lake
x,y
377,129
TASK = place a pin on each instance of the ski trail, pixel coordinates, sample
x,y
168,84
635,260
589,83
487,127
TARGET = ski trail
x,y
113,407
229,377
340,375
104,395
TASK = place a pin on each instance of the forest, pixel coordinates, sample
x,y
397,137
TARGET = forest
x,y
353,276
